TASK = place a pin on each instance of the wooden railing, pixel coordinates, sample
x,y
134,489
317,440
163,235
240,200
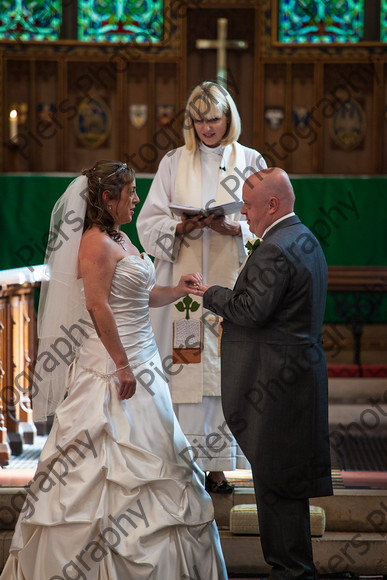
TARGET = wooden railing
x,y
357,278
365,287
17,351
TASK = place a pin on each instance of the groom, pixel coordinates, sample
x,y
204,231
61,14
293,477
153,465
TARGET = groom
x,y
274,376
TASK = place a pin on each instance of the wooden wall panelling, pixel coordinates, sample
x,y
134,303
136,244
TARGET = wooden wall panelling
x,y
150,160
182,69
167,134
344,83
317,116
152,84
274,97
123,125
24,76
32,80
258,90
241,72
66,113
90,81
303,131
286,139
258,108
32,115
138,92
377,118
44,102
17,81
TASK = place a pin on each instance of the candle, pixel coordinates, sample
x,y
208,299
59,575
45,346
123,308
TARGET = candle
x,y
13,124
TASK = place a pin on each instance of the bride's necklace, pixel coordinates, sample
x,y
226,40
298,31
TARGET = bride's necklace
x,y
123,245
121,242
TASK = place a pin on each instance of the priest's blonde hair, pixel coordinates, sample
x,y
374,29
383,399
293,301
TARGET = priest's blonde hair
x,y
210,100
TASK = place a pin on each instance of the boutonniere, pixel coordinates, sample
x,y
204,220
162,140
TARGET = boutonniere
x,y
252,244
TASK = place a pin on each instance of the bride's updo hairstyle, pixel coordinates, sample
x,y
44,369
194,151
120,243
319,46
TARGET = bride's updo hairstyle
x,y
105,175
208,101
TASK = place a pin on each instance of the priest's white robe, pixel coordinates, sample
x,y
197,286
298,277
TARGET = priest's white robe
x,y
221,180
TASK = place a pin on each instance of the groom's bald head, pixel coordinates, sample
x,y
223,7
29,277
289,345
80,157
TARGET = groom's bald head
x,y
268,195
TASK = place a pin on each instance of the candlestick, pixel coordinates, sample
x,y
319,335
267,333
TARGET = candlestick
x,y
13,124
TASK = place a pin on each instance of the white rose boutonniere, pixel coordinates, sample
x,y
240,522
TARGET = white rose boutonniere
x,y
252,244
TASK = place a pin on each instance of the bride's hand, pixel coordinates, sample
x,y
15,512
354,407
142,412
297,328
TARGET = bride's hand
x,y
189,284
199,289
127,383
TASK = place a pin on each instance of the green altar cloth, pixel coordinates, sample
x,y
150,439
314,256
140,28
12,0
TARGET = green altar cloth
x,y
345,213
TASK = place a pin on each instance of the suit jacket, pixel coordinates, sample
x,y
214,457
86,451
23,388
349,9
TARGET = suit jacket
x,y
274,375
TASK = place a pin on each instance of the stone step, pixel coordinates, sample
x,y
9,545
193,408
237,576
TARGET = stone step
x,y
358,390
361,548
355,418
334,552
5,544
11,502
348,510
355,537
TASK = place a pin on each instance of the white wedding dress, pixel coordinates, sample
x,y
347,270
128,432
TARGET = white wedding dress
x,y
115,495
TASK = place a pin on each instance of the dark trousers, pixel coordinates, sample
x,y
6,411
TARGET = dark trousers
x,y
284,525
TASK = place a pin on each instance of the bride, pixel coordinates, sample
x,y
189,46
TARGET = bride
x,y
114,496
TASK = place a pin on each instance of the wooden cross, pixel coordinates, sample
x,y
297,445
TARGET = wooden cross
x,y
221,44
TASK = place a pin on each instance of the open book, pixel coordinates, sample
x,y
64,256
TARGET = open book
x,y
218,210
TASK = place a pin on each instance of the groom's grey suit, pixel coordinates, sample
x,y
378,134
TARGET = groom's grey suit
x,y
274,382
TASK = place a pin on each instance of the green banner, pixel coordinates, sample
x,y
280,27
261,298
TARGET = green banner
x,y
347,215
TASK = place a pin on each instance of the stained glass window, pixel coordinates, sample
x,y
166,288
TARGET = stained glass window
x,y
120,21
383,21
30,19
320,21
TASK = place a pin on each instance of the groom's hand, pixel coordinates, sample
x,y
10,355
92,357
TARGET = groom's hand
x,y
202,288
